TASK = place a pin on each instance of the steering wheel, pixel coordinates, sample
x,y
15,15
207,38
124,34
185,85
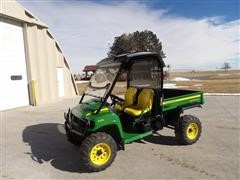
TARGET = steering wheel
x,y
115,99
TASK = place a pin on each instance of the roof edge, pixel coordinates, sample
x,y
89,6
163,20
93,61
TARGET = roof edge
x,y
14,10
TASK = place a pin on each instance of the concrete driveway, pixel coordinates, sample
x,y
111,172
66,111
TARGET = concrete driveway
x,y
34,146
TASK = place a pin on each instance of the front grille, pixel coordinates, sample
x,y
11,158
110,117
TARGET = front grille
x,y
74,118
78,123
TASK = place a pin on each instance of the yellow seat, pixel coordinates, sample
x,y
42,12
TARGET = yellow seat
x,y
145,100
130,97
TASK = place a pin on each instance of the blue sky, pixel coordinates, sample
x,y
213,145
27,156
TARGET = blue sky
x,y
195,34
229,9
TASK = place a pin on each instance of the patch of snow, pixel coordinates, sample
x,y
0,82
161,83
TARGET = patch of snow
x,y
180,79
169,85
197,85
172,86
80,82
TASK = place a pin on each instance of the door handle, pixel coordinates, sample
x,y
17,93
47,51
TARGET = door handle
x,y
16,77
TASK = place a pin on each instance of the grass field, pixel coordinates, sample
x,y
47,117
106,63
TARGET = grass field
x,y
210,81
206,81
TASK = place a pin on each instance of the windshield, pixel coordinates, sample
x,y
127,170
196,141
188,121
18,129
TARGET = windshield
x,y
102,79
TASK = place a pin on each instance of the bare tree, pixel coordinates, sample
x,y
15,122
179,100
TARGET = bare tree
x,y
168,67
226,66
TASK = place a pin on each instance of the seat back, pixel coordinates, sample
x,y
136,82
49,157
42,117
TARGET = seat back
x,y
145,99
130,96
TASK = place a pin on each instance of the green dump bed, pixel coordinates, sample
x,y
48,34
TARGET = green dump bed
x,y
174,98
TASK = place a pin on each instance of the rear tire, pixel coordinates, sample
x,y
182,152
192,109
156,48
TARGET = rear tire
x,y
189,130
97,152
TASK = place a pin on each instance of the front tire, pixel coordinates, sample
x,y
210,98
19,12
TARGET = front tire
x,y
97,152
189,130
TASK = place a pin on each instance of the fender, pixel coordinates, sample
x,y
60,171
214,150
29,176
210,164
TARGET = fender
x,y
106,119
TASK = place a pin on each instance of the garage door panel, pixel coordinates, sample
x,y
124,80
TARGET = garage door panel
x,y
13,76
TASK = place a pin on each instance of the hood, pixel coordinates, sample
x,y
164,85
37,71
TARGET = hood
x,y
86,108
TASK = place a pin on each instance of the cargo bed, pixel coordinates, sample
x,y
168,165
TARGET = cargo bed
x,y
174,98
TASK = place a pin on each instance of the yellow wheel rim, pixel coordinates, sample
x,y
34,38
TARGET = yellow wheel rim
x,y
100,154
192,131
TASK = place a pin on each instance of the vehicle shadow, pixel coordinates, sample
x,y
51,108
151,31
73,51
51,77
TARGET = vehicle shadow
x,y
157,138
48,142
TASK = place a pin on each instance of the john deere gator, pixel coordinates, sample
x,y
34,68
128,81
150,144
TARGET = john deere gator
x,y
103,123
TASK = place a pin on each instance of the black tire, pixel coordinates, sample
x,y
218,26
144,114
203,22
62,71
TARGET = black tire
x,y
87,147
189,130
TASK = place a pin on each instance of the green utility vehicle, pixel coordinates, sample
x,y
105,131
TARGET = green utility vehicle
x,y
103,123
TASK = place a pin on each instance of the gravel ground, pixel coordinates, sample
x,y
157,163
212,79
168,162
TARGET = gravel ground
x,y
33,146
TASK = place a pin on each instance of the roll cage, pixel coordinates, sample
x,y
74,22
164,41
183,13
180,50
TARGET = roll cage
x,y
127,62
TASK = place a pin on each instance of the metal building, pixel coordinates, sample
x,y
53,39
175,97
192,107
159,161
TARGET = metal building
x,y
33,69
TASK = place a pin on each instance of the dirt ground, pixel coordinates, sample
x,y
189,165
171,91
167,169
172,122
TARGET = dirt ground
x,y
205,81
210,81
34,146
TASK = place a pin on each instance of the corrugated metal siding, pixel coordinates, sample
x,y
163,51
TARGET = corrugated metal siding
x,y
45,57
